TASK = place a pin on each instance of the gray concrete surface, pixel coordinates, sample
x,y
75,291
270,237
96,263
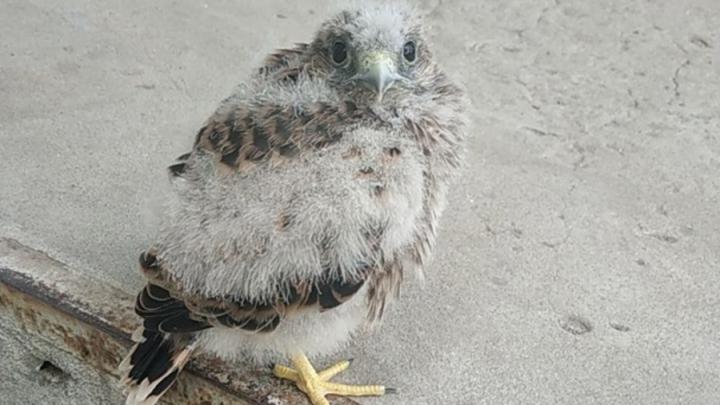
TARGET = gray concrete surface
x,y
579,260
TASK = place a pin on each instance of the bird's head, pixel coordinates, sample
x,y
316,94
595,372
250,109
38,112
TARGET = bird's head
x,y
374,55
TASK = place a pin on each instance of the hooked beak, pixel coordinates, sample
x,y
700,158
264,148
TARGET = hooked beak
x,y
378,73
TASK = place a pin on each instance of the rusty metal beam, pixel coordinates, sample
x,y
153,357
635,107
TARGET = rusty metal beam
x,y
93,322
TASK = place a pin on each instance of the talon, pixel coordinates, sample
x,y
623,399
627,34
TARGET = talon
x,y
316,384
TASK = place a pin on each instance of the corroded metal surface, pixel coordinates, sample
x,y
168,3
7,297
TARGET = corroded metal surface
x,y
93,322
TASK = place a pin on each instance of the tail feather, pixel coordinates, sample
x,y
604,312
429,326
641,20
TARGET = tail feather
x,y
153,364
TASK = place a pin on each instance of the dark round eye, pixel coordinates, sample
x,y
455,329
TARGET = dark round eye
x,y
409,51
339,52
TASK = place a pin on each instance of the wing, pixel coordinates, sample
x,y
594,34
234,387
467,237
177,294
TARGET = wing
x,y
283,65
242,137
165,308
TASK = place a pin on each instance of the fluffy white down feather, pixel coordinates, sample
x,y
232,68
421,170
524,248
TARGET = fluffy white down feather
x,y
223,239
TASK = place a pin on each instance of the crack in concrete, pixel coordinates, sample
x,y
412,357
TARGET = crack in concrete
x,y
528,94
681,48
676,77
540,132
700,42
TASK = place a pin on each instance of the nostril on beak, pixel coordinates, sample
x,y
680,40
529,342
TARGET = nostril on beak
x,y
379,75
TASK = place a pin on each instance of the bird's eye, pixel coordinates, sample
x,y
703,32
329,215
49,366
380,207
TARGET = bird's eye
x,y
409,52
339,52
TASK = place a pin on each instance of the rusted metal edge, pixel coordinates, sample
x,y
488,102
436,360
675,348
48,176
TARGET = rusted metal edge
x,y
41,311
61,302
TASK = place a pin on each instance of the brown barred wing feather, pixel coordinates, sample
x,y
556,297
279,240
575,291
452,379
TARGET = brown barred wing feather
x,y
165,308
244,137
283,65
170,318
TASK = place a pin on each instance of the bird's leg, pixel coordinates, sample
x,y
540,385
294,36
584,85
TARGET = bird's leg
x,y
317,384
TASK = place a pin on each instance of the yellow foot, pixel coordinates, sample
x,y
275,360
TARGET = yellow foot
x,y
316,385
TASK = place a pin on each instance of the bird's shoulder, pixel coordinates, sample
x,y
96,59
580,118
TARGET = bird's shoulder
x,y
268,121
255,131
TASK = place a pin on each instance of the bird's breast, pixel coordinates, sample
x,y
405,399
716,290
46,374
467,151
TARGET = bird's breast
x,y
330,208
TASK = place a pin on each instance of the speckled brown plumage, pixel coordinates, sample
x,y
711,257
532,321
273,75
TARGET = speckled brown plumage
x,y
244,137
166,308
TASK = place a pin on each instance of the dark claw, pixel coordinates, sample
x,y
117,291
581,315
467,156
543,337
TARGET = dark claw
x,y
390,390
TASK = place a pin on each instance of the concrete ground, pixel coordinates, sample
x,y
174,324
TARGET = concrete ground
x,y
579,261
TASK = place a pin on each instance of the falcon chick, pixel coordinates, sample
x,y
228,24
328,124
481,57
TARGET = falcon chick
x,y
306,196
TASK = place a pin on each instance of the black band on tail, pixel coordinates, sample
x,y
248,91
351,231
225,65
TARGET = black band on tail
x,y
153,365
